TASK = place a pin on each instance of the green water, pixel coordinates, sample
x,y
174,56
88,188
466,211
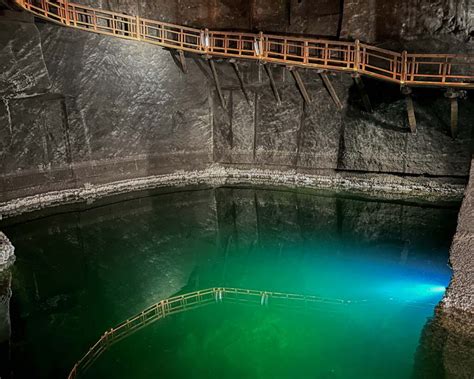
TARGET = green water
x,y
83,271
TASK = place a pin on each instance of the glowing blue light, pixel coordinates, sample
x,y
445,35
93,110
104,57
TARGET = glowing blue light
x,y
412,291
437,289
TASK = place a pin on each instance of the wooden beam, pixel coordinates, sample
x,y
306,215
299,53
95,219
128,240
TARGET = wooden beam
x,y
216,81
363,93
182,60
301,85
331,90
453,95
454,116
272,83
411,113
410,108
241,79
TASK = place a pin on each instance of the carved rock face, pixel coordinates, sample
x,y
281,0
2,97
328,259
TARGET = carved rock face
x,y
5,295
7,252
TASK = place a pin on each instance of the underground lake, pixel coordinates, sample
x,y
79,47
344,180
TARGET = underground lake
x,y
378,267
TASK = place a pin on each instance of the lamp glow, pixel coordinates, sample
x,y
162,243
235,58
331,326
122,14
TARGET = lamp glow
x,y
437,289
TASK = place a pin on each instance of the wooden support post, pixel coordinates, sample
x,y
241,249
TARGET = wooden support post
x,y
453,97
454,117
300,84
182,60
216,81
410,108
272,83
241,79
331,90
363,93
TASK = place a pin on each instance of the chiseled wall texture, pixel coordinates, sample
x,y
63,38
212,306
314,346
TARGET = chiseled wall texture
x,y
80,108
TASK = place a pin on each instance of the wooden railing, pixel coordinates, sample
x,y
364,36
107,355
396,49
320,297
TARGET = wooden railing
x,y
187,302
438,70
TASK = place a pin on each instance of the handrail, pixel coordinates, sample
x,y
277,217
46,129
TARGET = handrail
x,y
406,69
186,302
196,299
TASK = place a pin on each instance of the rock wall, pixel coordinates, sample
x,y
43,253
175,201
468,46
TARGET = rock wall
x,y
79,108
7,252
460,294
317,17
379,20
5,323
368,20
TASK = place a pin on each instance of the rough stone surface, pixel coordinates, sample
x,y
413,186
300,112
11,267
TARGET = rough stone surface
x,y
460,293
7,252
368,20
379,20
382,185
108,110
5,323
318,17
446,346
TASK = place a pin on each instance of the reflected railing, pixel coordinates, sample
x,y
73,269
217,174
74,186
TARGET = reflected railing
x,y
197,299
181,303
438,70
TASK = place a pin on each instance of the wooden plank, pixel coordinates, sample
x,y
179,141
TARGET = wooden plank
x,y
363,93
182,60
272,84
331,90
216,81
454,116
411,113
241,79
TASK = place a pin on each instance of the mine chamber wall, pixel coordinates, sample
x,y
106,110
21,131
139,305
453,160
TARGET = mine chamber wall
x,y
82,108
79,108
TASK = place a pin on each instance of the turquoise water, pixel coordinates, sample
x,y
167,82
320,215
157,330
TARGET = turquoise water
x,y
83,271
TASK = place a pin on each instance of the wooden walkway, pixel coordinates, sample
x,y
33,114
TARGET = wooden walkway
x,y
406,69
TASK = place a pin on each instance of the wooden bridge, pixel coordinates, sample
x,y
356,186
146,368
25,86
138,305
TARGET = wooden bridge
x,y
449,71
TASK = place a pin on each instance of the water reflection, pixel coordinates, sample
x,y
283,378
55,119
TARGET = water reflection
x,y
5,325
96,267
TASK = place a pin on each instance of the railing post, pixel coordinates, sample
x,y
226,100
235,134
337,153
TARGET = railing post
x,y
44,6
305,52
138,32
357,55
66,10
261,45
404,67
207,41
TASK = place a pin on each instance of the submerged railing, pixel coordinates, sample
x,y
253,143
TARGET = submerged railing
x,y
439,70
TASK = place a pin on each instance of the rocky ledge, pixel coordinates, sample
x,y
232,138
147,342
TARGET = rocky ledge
x,y
386,186
7,252
460,293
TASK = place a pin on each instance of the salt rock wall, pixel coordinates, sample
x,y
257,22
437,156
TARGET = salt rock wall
x,y
318,17
318,137
368,20
77,106
380,20
81,108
